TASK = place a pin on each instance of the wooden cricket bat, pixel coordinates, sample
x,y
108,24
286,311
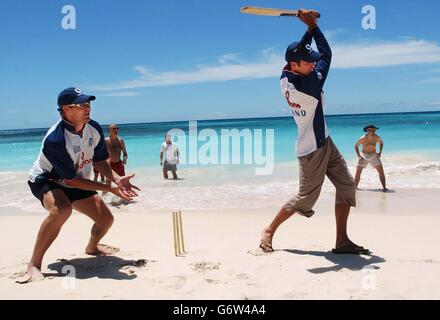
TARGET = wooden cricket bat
x,y
271,12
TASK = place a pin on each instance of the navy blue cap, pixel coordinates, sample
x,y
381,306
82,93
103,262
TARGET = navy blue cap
x,y
301,51
73,96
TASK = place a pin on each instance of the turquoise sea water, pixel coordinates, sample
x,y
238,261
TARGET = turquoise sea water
x,y
410,158
414,133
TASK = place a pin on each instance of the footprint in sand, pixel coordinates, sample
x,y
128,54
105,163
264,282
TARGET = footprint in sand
x,y
174,282
242,276
205,266
213,281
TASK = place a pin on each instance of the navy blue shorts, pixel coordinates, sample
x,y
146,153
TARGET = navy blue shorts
x,y
169,167
39,189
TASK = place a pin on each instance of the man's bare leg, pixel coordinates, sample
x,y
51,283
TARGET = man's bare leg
x,y
95,208
357,177
60,209
382,177
268,232
342,212
165,174
174,175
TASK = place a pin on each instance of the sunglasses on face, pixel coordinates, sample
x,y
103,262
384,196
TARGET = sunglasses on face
x,y
115,128
80,105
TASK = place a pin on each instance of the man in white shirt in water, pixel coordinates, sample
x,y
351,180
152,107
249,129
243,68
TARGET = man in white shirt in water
x,y
171,152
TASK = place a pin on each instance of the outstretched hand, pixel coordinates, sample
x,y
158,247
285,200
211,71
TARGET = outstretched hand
x,y
125,184
123,193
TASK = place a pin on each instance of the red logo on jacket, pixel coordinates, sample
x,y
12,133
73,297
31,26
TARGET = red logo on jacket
x,y
84,162
292,104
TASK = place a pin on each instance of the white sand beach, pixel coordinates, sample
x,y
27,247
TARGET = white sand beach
x,y
223,260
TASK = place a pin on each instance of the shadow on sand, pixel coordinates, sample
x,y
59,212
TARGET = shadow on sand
x,y
350,261
378,190
102,267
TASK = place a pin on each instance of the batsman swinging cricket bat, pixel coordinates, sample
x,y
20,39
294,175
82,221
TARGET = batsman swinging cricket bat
x,y
272,12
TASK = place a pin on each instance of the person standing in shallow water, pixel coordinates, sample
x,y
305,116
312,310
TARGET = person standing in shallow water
x,y
116,146
170,151
302,82
60,177
369,155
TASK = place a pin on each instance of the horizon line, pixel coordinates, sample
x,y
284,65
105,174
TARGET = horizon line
x,y
245,118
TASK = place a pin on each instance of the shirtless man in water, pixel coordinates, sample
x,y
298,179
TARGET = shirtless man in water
x,y
116,145
369,154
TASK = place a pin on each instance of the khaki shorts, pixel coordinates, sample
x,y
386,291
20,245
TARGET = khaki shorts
x,y
371,158
326,161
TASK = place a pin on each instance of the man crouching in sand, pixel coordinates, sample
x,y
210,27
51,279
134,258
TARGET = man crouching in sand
x,y
60,176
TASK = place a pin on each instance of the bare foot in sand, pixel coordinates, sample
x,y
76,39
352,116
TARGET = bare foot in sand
x,y
101,250
266,241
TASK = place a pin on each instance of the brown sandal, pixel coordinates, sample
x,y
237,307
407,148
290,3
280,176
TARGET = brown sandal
x,y
351,249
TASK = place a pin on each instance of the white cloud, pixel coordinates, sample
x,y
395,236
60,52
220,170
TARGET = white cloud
x,y
269,64
385,54
230,57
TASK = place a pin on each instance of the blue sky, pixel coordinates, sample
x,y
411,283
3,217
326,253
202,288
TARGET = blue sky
x,y
199,59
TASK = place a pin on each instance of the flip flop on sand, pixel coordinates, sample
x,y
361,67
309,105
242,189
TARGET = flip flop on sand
x,y
266,245
350,249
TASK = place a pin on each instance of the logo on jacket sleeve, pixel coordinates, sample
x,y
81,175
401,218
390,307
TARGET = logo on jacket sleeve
x,y
90,142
